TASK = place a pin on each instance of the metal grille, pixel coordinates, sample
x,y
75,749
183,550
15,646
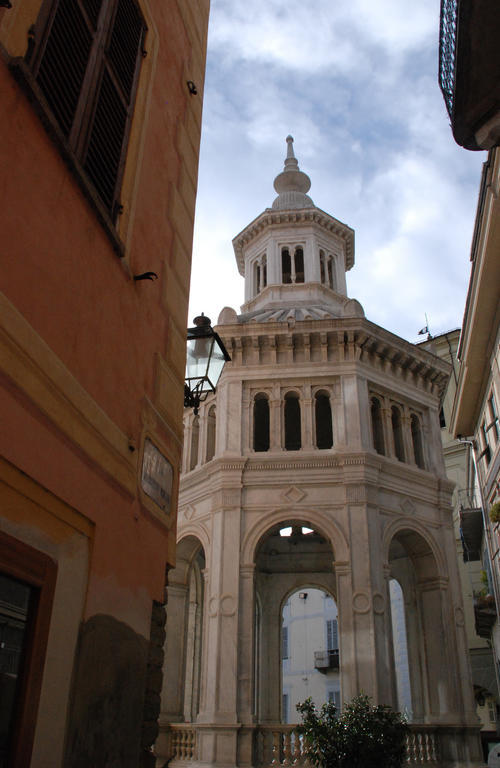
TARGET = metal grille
x,y
64,62
447,50
106,140
124,45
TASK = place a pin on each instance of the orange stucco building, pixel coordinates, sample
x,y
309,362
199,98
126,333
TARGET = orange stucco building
x,y
100,119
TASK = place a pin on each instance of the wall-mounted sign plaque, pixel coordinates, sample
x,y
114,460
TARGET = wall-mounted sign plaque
x,y
157,476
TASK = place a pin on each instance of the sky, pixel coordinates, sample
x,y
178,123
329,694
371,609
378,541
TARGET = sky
x,y
355,83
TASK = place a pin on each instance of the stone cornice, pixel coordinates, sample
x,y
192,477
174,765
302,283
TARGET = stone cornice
x,y
271,218
337,340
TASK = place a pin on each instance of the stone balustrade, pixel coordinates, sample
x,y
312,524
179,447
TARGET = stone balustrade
x,y
182,742
278,746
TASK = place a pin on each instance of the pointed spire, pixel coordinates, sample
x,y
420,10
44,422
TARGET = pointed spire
x,y
291,163
292,184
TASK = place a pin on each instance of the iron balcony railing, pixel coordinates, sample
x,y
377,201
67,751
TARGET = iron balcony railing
x,y
324,660
471,524
447,51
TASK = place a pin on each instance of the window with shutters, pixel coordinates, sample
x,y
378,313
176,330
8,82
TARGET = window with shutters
x,y
284,642
332,635
85,60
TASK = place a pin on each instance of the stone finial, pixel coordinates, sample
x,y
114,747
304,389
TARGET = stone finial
x,y
292,184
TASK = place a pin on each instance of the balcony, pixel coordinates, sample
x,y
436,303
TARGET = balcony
x,y
469,70
326,660
485,614
471,524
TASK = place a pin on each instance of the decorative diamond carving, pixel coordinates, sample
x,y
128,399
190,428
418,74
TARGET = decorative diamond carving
x,y
294,494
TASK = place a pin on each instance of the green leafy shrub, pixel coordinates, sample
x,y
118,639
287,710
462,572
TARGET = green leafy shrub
x,y
495,512
362,736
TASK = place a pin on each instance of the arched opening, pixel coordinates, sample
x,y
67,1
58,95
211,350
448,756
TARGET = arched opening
x,y
299,265
296,615
309,651
261,423
286,266
195,438
323,419
264,272
377,426
416,438
293,440
211,432
322,267
257,277
331,274
397,433
424,598
400,646
184,634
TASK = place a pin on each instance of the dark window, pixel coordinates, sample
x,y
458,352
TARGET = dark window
x,y
293,440
331,282
27,581
299,265
257,278
261,423
377,426
397,431
322,266
323,413
264,273
442,419
416,436
86,64
286,266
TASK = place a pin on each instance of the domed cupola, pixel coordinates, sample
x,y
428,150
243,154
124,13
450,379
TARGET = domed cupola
x,y
294,256
292,184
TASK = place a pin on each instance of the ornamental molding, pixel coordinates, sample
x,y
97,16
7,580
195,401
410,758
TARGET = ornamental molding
x,y
271,219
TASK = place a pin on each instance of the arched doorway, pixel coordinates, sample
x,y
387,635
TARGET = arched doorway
x,y
413,565
310,663
292,558
184,633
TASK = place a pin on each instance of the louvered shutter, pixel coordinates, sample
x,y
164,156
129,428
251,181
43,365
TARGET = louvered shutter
x,y
108,131
86,64
332,635
65,58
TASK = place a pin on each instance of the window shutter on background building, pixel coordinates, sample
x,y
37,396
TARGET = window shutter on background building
x,y
332,635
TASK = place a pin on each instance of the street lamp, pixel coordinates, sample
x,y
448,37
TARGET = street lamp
x,y
206,355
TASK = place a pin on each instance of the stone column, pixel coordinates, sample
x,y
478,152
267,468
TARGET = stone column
x,y
364,612
275,420
218,718
386,415
246,665
407,440
172,709
306,418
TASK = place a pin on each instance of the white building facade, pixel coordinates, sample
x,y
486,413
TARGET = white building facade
x,y
328,425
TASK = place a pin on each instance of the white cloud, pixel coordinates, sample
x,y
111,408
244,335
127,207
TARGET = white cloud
x,y
356,84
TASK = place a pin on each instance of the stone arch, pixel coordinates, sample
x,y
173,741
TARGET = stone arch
x,y
416,527
184,631
185,544
292,420
320,521
260,422
414,560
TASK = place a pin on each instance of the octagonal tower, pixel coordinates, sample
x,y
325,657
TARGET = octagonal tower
x,y
325,426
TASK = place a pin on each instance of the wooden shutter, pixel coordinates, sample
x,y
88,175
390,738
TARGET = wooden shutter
x,y
64,60
108,132
332,635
